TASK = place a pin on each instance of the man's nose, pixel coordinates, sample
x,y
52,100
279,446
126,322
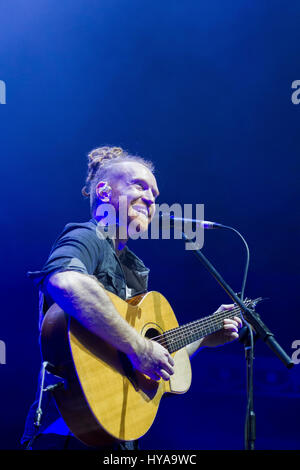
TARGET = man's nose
x,y
148,197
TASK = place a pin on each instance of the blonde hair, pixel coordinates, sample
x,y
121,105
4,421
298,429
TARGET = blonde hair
x,y
100,161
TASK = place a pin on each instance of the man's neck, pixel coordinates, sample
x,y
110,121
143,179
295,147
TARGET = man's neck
x,y
119,243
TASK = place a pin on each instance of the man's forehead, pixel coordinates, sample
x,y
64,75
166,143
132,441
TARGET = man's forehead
x,y
132,170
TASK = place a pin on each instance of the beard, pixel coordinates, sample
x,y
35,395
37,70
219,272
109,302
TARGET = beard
x,y
138,222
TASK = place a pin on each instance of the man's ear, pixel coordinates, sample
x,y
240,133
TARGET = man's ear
x,y
103,191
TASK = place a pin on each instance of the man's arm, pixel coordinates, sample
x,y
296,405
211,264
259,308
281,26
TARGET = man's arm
x,y
82,297
194,347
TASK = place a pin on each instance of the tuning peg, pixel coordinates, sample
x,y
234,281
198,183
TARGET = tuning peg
x,y
260,299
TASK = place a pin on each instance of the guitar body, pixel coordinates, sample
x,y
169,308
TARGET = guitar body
x,y
105,399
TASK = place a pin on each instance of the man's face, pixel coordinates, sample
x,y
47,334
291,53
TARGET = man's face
x,y
138,184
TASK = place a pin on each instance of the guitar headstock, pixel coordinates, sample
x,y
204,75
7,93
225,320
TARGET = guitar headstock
x,y
253,302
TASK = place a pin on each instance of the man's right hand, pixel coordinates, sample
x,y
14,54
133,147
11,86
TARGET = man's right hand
x,y
153,360
82,297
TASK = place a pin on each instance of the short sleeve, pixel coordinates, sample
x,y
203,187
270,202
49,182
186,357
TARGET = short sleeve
x,y
77,249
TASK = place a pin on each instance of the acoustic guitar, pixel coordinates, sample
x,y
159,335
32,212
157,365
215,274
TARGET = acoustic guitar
x,y
104,399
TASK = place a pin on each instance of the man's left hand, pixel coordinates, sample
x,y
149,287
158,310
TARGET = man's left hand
x,y
228,333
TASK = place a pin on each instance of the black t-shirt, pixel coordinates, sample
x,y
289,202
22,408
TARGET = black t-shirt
x,y
82,247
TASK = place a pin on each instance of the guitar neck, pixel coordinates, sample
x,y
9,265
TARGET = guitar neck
x,y
177,338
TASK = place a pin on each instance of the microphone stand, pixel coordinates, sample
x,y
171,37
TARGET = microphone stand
x,y
250,423
261,330
38,414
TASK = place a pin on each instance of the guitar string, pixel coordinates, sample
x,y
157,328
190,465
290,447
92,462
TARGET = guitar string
x,y
189,334
202,322
176,340
205,321
207,325
182,333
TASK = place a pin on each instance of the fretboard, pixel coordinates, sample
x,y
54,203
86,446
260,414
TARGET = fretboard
x,y
177,338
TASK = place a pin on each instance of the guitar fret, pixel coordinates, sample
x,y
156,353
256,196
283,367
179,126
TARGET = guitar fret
x,y
181,336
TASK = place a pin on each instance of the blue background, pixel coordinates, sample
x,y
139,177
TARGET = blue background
x,y
203,89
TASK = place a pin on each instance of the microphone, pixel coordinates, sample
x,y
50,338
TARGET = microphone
x,y
202,223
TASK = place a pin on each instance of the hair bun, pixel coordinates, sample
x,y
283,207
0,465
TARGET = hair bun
x,y
100,154
98,157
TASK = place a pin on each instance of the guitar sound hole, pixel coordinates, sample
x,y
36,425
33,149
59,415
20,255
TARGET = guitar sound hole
x,y
153,334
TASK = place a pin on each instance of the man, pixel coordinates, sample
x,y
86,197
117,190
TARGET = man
x,y
82,256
